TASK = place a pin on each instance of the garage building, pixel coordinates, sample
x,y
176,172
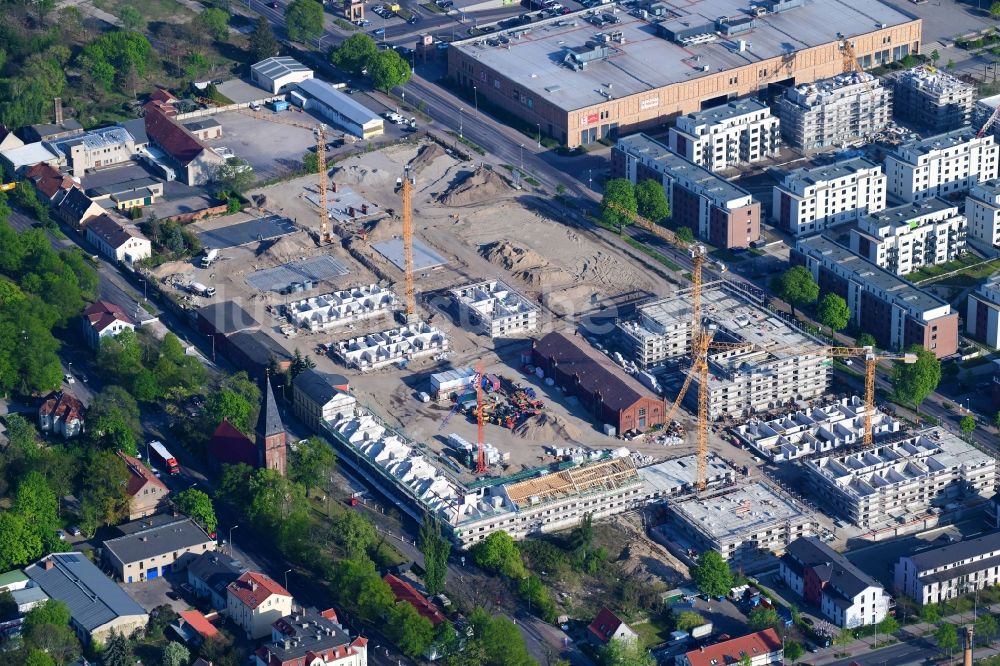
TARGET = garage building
x,y
277,74
338,108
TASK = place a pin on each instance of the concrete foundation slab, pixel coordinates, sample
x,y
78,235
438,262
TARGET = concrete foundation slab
x,y
281,279
264,228
423,256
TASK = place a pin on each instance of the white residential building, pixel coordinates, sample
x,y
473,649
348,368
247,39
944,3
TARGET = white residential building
x,y
982,317
932,99
319,398
398,345
936,575
255,601
741,132
982,210
494,309
326,311
908,237
834,111
309,638
941,165
901,480
824,578
810,200
118,242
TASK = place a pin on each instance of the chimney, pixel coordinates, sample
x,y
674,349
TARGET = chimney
x,y
967,660
253,585
49,563
57,102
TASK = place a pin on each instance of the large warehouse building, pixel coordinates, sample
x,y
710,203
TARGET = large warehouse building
x,y
585,76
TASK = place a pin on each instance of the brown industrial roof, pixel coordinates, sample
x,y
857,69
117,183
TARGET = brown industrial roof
x,y
597,374
178,142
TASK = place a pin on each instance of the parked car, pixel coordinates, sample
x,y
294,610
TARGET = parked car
x,y
75,531
69,378
272,5
378,32
61,535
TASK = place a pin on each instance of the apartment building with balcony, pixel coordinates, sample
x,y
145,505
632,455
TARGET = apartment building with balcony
x,y
740,132
810,200
906,238
982,210
943,165
982,315
834,111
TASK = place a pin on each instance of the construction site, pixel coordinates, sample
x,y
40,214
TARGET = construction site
x,y
835,111
931,100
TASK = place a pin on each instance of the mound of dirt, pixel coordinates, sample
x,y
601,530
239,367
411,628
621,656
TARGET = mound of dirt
x,y
547,428
287,248
483,185
525,264
427,154
383,229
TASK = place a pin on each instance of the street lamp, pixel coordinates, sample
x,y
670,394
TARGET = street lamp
x,y
213,347
539,126
522,158
231,551
475,95
143,281
460,118
286,578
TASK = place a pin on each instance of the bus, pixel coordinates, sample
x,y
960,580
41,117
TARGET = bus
x,y
159,454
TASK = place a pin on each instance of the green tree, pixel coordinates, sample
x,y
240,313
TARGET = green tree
x,y
967,424
935,56
8,606
832,311
120,356
36,502
995,10
625,653
793,650
866,340
131,18
262,44
354,54
986,628
684,234
888,626
761,618
213,22
651,200
436,549
103,493
234,484
946,637
21,435
912,382
175,654
354,531
796,287
236,174
50,612
198,505
303,20
231,406
113,420
996,419
619,204
118,651
310,162
311,464
711,574
20,543
688,620
497,553
499,641
36,657
273,499
409,630
57,641
387,70
930,613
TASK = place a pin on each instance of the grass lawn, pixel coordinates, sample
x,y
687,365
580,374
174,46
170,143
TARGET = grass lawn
x,y
431,7
968,275
652,632
169,11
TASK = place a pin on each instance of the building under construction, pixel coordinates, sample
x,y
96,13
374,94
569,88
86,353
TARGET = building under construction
x,y
767,362
932,100
835,111
742,522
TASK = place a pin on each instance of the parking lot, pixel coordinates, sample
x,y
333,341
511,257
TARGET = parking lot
x,y
271,148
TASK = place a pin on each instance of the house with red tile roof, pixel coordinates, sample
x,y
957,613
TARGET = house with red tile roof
x,y
62,414
255,602
194,628
607,627
145,492
103,319
763,647
196,161
50,183
403,591
308,637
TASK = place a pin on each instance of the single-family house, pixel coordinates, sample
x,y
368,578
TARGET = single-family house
x,y
404,591
50,184
77,209
146,492
193,628
607,627
255,601
62,414
103,319
117,241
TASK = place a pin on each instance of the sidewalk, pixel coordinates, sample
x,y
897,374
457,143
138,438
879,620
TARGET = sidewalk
x,y
863,646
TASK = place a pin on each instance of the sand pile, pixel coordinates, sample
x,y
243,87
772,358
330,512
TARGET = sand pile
x,y
483,185
287,248
525,264
427,154
383,229
549,428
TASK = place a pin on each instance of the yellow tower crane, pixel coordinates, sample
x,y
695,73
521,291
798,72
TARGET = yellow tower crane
x,y
411,303
851,64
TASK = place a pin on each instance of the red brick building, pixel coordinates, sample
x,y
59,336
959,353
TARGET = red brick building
x,y
610,395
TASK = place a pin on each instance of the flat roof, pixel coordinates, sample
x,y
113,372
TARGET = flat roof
x,y
326,94
670,475
644,61
901,291
745,510
734,109
898,215
653,152
936,142
833,171
29,154
109,137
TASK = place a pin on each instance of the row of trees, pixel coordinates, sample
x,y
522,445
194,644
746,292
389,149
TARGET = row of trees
x,y
622,201
358,54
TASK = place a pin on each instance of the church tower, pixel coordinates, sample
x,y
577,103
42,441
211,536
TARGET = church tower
x,y
270,433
